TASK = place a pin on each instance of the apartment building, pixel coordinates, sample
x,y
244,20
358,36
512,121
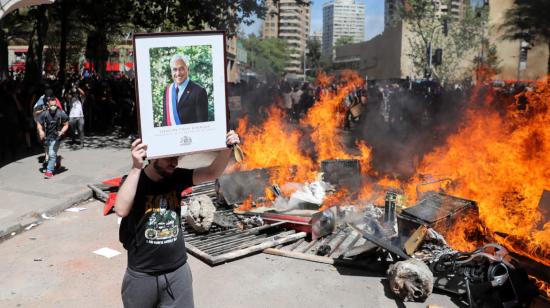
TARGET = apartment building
x,y
342,18
291,22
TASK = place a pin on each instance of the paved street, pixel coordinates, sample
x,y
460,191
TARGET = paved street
x,y
53,265
26,195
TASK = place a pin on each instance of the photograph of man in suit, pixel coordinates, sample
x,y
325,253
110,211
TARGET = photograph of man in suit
x,y
184,100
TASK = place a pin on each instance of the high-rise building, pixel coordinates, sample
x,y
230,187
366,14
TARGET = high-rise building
x,y
289,21
391,12
342,18
453,8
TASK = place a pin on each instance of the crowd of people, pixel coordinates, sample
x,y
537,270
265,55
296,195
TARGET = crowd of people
x,y
94,105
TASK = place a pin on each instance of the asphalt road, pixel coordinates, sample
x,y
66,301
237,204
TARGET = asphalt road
x,y
53,265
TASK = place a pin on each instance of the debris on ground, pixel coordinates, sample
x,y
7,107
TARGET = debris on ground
x,y
411,280
107,252
200,213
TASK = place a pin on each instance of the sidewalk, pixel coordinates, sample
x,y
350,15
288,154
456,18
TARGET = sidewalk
x,y
26,195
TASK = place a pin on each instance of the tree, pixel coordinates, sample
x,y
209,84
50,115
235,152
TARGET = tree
x,y
430,30
13,25
33,62
106,20
528,20
173,15
267,56
344,40
313,56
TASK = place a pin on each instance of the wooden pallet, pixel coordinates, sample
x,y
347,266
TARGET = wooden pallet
x,y
344,245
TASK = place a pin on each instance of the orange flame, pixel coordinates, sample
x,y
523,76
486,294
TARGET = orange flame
x,y
275,144
543,286
502,162
278,144
326,117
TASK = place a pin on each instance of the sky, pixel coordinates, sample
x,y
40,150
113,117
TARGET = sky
x,y
374,20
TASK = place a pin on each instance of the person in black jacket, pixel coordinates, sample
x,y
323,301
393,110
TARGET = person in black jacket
x,y
184,100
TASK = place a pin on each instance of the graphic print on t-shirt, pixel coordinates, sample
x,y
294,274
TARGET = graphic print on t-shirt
x,y
162,225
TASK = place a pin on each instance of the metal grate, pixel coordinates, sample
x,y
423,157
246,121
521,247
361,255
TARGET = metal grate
x,y
222,246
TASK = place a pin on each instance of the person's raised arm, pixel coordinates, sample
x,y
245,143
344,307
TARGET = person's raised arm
x,y
217,167
127,192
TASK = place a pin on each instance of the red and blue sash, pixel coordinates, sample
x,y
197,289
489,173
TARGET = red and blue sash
x,y
170,107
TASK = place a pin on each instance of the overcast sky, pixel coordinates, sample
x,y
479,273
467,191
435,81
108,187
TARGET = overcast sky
x,y
374,21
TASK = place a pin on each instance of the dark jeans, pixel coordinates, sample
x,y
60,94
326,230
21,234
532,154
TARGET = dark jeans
x,y
173,289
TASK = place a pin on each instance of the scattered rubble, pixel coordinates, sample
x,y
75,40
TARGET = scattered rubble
x,y
411,280
200,213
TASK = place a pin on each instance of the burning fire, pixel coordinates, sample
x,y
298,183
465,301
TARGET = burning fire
x,y
502,162
499,158
277,144
543,286
325,118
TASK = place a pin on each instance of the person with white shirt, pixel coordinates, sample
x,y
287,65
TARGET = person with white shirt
x,y
76,118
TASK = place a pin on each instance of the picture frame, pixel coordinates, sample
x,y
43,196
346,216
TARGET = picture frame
x,y
181,91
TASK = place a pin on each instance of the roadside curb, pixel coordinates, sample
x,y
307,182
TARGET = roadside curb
x,y
36,218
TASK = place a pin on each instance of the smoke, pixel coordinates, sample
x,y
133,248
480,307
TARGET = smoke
x,y
402,125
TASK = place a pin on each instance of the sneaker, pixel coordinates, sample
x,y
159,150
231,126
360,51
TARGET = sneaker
x,y
48,175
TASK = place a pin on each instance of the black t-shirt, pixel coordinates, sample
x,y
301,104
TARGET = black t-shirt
x,y
52,123
152,231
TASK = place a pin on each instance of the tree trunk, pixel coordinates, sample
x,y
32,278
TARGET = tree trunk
x,y
33,63
41,31
3,53
63,43
30,62
96,51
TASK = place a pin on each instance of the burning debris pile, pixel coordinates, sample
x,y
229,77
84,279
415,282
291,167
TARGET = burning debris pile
x,y
493,154
304,178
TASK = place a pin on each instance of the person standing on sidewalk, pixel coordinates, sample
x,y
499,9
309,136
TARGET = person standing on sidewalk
x,y
76,117
149,202
52,125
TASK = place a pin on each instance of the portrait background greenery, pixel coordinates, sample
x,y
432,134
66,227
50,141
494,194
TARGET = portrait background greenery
x,y
200,71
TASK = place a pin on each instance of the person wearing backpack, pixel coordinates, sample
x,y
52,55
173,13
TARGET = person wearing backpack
x,y
52,126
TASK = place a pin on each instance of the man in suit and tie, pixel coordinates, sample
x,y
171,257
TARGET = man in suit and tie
x,y
184,101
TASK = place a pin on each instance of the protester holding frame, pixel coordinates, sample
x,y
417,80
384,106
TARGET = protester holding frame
x,y
183,110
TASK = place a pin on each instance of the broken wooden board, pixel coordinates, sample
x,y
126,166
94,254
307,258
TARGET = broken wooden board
x,y
340,242
415,239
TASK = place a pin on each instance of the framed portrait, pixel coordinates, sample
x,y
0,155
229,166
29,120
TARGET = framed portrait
x,y
181,93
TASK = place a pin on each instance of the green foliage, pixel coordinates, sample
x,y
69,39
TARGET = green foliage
x,y
177,15
344,40
267,56
200,71
313,56
528,20
426,28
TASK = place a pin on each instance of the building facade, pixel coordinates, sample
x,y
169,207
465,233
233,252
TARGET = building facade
x,y
386,55
291,22
342,18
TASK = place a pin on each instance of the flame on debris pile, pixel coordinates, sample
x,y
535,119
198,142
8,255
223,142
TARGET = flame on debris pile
x,y
279,145
499,158
543,286
501,161
275,144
